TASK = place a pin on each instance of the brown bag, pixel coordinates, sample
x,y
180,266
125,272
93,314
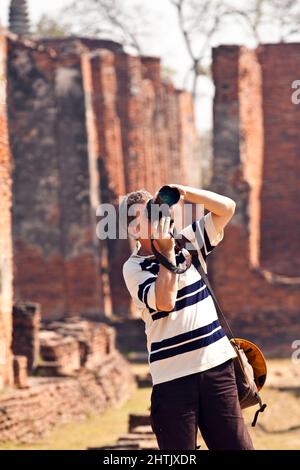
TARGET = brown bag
x,y
245,380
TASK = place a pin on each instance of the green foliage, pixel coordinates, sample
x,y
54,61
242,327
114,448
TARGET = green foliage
x,y
50,27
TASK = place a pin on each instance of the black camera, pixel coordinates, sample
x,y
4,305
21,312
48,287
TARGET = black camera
x,y
160,205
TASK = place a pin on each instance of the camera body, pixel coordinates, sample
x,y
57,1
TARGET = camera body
x,y
166,197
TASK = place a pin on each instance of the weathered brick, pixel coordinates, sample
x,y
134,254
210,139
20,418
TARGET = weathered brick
x,y
57,253
256,143
26,326
88,123
6,268
20,371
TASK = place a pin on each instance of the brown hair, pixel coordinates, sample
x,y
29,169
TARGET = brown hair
x,y
140,196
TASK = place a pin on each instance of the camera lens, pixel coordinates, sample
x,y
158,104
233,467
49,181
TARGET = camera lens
x,y
168,195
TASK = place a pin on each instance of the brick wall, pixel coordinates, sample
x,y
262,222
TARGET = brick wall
x,y
28,415
56,250
257,289
77,371
280,197
6,268
110,167
88,123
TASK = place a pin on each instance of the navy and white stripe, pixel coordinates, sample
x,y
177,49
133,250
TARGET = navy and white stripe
x,y
143,290
151,266
175,340
202,239
190,339
188,347
199,292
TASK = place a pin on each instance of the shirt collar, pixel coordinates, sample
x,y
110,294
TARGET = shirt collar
x,y
137,248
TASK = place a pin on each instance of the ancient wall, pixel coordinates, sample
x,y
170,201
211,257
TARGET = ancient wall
x,y
88,123
57,254
255,162
26,415
6,268
280,195
75,370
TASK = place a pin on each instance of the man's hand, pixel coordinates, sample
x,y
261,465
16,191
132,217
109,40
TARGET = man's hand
x,y
180,188
221,207
166,283
161,233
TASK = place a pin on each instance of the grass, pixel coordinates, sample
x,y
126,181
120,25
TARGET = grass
x,y
278,427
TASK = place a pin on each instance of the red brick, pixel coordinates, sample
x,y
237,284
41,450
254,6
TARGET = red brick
x,y
6,267
255,269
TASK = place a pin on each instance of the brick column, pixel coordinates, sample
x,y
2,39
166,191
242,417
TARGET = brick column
x,y
262,306
280,196
38,249
57,253
189,161
6,266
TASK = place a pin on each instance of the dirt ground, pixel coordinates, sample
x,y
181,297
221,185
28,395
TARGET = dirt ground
x,y
278,427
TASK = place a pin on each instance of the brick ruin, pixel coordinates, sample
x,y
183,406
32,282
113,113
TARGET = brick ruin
x,y
88,123
81,123
75,371
256,162
6,260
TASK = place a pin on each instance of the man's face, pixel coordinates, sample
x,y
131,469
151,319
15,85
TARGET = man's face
x,y
143,225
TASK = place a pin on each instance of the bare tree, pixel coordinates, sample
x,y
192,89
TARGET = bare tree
x,y
199,21
200,24
281,17
114,19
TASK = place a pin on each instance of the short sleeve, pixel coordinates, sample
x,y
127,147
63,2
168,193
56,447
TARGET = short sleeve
x,y
141,286
203,236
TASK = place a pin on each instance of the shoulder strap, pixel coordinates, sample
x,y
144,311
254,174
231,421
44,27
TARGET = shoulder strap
x,y
197,264
165,262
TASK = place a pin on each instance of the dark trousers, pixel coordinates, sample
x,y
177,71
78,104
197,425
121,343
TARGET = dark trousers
x,y
206,400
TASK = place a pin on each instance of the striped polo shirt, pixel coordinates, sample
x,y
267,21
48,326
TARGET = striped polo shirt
x,y
188,339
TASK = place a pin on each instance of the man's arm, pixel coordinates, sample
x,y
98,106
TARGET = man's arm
x,y
166,282
221,207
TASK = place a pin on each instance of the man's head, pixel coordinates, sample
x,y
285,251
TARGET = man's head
x,y
138,215
133,210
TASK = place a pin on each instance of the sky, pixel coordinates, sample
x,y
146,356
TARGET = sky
x,y
166,43
37,8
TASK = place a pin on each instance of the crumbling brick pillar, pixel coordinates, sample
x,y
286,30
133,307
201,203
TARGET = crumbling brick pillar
x,y
104,99
6,266
157,124
189,163
280,195
170,107
87,125
263,304
78,222
57,252
130,110
26,327
38,245
104,94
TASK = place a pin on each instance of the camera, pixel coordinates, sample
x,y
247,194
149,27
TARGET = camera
x,y
166,197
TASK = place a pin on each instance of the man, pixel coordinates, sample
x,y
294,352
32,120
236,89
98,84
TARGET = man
x,y
190,357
